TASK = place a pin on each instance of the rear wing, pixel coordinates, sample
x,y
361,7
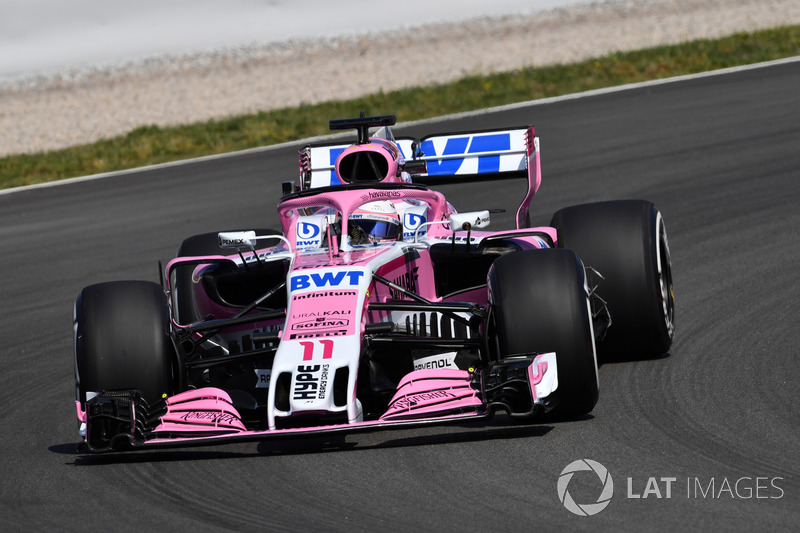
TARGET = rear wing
x,y
450,158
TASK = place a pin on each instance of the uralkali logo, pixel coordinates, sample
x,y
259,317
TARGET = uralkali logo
x,y
585,509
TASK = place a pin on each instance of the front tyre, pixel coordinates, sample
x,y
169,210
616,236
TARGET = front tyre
x,y
626,242
539,304
122,340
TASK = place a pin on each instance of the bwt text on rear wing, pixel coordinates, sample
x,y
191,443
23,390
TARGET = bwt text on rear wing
x,y
450,158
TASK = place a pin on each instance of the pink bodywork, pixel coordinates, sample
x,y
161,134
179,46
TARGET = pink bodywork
x,y
202,411
433,393
423,396
329,293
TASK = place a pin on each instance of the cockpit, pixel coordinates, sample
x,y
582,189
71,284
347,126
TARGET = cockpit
x,y
369,224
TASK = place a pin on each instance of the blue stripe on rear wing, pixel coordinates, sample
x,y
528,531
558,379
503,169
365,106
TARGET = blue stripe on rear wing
x,y
470,154
450,158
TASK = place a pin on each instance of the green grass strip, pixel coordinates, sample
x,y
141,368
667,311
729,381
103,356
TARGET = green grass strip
x,y
154,144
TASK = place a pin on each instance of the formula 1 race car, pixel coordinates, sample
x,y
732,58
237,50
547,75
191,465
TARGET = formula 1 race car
x,y
376,305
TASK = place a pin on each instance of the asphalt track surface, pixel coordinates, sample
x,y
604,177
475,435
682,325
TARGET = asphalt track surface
x,y
718,155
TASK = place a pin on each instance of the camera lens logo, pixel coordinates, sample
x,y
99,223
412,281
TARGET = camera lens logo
x,y
586,509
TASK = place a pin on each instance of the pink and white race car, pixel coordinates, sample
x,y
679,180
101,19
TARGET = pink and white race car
x,y
377,305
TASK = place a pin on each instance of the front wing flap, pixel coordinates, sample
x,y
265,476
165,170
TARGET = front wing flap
x,y
522,386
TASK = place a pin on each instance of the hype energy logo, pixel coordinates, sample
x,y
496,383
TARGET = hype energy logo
x,y
604,480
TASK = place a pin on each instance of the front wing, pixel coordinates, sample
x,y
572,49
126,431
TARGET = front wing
x,y
523,386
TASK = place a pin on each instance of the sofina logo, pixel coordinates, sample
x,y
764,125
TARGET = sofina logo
x,y
586,509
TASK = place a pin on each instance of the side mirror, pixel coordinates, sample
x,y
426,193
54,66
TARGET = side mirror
x,y
469,221
237,239
415,167
459,222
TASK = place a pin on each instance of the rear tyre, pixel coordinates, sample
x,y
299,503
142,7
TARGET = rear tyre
x,y
626,242
539,304
198,245
122,340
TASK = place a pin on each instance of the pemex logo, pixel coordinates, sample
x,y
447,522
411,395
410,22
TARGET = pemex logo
x,y
586,509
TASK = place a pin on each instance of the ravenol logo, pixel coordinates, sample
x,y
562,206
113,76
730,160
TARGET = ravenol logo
x,y
587,509
320,280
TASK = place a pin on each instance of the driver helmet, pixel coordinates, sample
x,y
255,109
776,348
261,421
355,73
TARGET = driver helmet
x,y
374,222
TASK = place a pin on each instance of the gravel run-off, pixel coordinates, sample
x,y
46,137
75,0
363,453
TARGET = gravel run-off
x,y
81,106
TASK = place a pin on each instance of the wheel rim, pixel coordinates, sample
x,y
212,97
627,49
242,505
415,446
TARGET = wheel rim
x,y
666,289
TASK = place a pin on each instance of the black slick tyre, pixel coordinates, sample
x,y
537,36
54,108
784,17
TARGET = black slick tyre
x,y
122,340
626,242
539,304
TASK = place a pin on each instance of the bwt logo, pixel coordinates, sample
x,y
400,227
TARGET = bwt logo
x,y
586,509
412,221
469,145
446,161
325,279
307,230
